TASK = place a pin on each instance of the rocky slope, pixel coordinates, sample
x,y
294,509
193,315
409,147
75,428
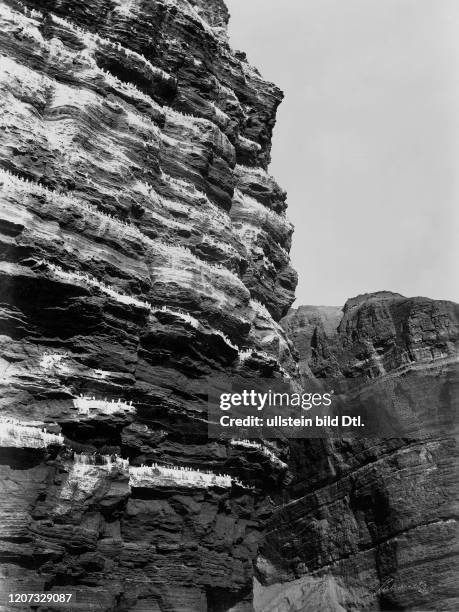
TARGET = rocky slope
x,y
370,523
144,254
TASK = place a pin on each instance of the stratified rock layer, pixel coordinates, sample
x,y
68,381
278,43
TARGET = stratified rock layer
x,y
370,523
144,255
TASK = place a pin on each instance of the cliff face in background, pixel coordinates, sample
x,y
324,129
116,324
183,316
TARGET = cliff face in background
x,y
145,259
370,524
372,335
145,252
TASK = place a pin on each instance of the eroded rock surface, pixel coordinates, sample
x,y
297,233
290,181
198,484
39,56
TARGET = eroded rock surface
x,y
370,523
144,254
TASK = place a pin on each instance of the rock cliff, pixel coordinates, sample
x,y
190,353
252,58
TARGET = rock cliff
x,y
370,523
144,259
144,253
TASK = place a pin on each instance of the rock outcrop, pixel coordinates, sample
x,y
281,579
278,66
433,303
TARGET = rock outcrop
x,y
144,253
370,523
144,260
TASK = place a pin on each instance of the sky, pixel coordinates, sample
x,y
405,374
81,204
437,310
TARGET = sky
x,y
366,141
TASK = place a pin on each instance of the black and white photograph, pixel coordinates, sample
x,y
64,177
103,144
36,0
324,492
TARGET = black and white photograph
x,y
229,318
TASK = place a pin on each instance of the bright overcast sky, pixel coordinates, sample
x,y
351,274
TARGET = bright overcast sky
x,y
366,142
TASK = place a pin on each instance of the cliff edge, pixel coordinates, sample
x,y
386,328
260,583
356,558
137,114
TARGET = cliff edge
x,y
144,256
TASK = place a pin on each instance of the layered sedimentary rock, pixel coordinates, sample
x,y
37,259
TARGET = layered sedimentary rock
x,y
372,335
370,523
144,254
145,258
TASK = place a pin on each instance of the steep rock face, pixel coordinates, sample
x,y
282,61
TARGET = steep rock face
x,y
373,334
144,254
370,523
